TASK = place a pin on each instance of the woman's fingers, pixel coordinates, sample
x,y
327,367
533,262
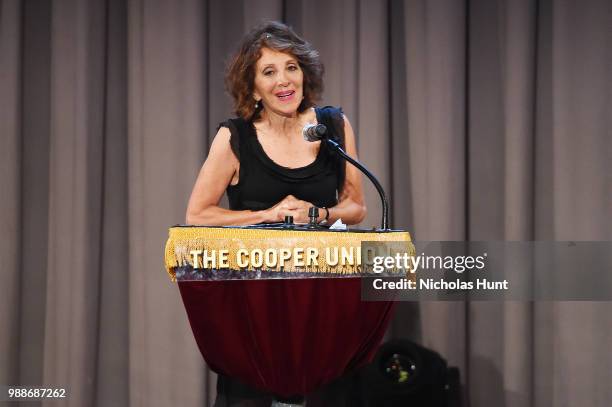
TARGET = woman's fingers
x,y
289,199
291,206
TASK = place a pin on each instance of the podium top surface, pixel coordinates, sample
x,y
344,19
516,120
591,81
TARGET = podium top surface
x,y
294,227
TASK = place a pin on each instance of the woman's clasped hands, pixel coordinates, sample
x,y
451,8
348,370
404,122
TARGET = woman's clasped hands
x,y
289,206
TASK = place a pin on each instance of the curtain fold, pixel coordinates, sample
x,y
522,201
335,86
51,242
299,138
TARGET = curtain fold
x,y
430,129
77,84
484,120
112,353
501,107
165,140
32,154
10,170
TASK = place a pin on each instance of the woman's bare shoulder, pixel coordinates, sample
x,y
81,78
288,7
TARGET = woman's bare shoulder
x,y
221,145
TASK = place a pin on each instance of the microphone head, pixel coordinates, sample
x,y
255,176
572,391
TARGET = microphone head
x,y
314,132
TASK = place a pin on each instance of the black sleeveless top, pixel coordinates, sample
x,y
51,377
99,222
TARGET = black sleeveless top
x,y
263,183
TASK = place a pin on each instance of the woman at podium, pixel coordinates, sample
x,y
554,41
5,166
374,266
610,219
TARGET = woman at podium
x,y
260,158
263,162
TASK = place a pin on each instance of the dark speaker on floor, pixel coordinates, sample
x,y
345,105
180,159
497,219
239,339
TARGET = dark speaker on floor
x,y
406,374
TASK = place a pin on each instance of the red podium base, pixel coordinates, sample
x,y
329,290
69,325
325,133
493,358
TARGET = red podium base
x,y
287,337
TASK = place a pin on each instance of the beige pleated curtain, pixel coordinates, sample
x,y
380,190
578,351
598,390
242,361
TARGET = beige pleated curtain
x,y
484,119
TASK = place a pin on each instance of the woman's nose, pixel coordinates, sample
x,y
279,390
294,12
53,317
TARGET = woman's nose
x,y
282,79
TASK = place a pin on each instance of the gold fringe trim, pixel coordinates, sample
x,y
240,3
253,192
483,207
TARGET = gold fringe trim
x,y
184,239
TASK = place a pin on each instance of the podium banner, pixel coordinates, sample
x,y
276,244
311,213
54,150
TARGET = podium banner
x,y
226,253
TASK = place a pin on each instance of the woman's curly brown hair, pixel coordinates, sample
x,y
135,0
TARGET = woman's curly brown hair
x,y
240,76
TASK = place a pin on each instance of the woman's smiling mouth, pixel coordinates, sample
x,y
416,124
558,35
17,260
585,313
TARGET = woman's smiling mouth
x,y
285,95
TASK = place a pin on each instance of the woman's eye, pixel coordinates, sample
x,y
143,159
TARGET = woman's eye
x,y
293,68
268,73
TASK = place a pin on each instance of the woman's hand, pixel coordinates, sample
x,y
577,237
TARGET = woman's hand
x,y
289,206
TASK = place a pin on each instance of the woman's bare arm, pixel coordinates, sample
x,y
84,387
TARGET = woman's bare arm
x,y
351,206
216,174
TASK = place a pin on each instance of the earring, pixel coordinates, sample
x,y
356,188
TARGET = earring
x,y
256,104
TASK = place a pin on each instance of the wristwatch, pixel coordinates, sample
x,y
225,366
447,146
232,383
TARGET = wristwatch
x,y
324,221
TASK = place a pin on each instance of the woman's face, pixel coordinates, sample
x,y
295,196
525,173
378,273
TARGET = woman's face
x,y
278,82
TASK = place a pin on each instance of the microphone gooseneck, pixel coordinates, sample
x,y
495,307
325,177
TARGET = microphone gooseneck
x,y
316,132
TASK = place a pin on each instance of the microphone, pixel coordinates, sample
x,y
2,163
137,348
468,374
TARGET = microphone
x,y
314,132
